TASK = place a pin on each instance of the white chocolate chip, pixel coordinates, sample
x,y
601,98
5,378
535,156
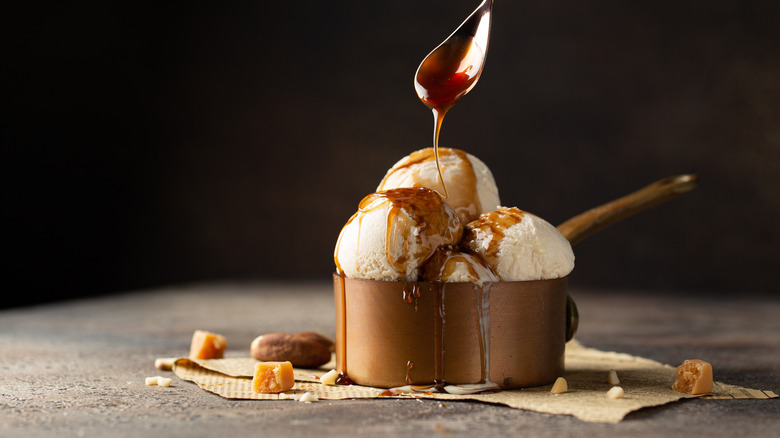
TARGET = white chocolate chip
x,y
308,397
612,379
560,386
615,392
329,378
158,380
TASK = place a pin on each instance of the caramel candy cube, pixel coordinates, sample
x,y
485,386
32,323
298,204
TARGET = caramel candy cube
x,y
273,377
694,377
207,345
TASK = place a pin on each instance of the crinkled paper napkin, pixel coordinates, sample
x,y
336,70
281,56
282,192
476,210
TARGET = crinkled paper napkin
x,y
645,382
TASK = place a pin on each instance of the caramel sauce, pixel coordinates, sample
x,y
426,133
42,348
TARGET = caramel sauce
x,y
409,209
439,322
343,379
409,366
411,294
341,331
449,72
494,223
444,263
482,299
456,163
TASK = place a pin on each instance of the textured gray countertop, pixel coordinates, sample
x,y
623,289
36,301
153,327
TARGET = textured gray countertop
x,y
77,368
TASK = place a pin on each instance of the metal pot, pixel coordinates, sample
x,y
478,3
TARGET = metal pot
x,y
513,334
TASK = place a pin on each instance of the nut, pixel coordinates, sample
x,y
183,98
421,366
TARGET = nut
x,y
329,378
612,379
560,386
303,350
615,392
158,380
308,397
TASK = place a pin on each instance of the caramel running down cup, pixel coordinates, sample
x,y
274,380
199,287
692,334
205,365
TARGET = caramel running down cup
x,y
396,333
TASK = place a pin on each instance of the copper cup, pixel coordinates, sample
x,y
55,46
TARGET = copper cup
x,y
395,333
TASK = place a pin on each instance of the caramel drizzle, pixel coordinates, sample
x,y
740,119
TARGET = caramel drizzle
x,y
482,301
409,366
439,335
341,334
444,76
465,201
422,208
493,223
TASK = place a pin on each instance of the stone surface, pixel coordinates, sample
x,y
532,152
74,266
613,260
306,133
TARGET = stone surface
x,y
77,368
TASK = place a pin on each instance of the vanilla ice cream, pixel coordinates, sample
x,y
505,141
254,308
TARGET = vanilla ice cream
x,y
394,232
519,246
452,266
471,189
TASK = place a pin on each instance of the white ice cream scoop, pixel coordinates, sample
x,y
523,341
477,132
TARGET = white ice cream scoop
x,y
471,188
394,232
452,266
519,246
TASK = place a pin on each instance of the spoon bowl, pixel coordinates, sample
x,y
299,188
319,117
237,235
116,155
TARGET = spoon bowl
x,y
453,68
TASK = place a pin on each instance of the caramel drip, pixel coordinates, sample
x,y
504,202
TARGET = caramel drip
x,y
438,119
493,223
409,366
465,199
424,207
444,76
409,209
411,294
445,261
343,379
341,332
482,300
439,335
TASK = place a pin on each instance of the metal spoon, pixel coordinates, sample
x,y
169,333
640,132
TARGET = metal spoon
x,y
452,69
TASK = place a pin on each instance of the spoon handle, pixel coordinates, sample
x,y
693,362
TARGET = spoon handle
x,y
588,222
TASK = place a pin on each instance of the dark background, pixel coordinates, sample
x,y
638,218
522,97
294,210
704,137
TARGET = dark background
x,y
147,144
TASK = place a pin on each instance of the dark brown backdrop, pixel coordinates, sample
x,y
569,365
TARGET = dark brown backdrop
x,y
147,145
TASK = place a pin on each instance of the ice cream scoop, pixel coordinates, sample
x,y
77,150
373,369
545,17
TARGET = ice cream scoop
x,y
451,266
471,188
519,246
394,232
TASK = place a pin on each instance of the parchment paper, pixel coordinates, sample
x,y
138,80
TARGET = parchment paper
x,y
645,382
